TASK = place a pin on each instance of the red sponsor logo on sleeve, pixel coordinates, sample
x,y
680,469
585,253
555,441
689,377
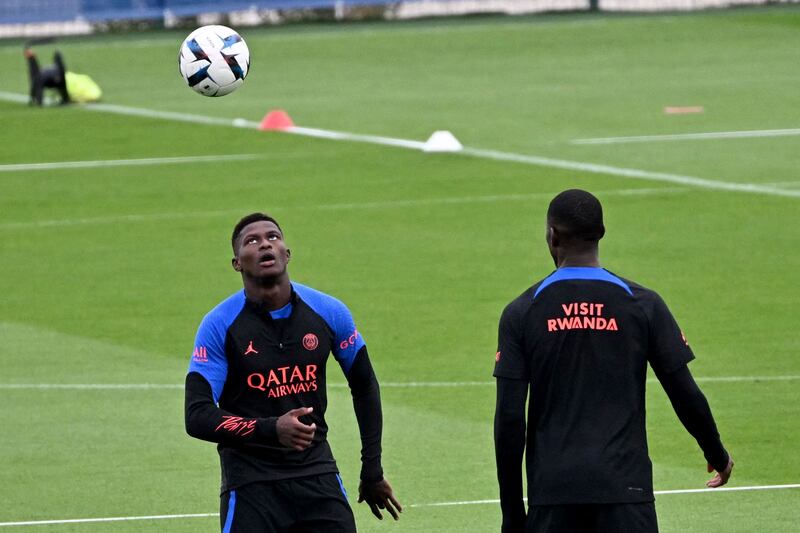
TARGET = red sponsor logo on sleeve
x,y
200,354
349,341
237,425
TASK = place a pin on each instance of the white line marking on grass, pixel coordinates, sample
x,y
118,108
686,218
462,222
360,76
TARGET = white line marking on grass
x,y
725,379
249,124
631,173
59,165
729,489
656,492
353,205
415,505
117,218
148,113
344,136
452,504
475,152
442,384
490,198
171,115
430,384
108,519
91,386
334,385
783,183
690,136
14,97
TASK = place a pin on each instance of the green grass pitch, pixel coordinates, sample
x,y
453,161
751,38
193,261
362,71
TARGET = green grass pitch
x,y
107,271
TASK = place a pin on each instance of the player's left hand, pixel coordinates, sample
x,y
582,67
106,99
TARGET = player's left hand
x,y
379,495
721,477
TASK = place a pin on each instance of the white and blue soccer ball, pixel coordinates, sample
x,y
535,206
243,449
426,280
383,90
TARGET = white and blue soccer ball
x,y
214,60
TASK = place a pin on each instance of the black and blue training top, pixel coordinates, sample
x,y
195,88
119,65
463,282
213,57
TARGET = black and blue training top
x,y
580,342
251,365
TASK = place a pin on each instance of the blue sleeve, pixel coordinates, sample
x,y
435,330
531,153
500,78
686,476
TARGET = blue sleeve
x,y
208,357
347,340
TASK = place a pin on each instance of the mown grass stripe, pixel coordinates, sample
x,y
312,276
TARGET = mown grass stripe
x,y
413,505
385,385
594,168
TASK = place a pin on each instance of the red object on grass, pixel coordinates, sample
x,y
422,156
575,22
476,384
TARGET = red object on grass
x,y
277,119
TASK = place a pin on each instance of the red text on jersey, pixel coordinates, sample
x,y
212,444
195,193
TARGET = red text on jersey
x,y
582,315
285,380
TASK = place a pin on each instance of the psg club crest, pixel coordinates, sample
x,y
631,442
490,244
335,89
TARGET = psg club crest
x,y
310,341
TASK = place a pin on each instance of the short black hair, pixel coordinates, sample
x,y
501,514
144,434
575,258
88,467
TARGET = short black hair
x,y
247,220
578,214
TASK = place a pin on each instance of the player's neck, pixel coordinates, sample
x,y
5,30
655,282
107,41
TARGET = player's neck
x,y
274,293
583,258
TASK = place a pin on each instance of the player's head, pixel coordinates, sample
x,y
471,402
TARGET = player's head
x,y
574,222
246,221
259,251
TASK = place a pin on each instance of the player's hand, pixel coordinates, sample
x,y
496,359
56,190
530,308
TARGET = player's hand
x,y
721,477
379,495
292,432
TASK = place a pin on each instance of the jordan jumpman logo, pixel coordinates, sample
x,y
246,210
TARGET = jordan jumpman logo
x,y
250,349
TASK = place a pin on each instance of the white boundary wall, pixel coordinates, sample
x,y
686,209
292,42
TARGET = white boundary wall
x,y
410,9
45,29
680,5
428,8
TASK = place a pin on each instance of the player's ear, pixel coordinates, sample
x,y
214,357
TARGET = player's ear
x,y
552,236
288,254
237,266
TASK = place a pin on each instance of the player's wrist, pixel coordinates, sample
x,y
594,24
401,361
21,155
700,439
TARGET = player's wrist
x,y
719,459
267,430
371,473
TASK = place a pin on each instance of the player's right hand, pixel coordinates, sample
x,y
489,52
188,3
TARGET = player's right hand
x,y
721,477
293,433
379,495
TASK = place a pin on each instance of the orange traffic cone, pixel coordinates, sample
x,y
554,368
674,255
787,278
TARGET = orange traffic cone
x,y
277,119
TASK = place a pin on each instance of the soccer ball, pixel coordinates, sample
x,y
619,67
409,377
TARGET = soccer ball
x,y
214,60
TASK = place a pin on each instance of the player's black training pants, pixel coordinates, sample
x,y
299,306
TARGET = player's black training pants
x,y
304,505
593,518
